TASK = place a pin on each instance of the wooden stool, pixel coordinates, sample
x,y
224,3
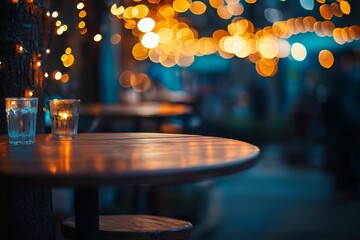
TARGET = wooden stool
x,y
135,227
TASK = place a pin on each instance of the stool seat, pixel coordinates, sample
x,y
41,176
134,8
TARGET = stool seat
x,y
135,227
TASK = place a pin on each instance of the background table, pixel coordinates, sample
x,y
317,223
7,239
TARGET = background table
x,y
158,111
96,159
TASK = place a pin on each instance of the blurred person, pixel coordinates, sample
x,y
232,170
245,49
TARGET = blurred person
x,y
341,117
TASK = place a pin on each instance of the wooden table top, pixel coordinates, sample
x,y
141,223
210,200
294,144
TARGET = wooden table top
x,y
95,159
142,109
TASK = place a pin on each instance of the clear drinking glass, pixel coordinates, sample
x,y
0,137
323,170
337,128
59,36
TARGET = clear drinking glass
x,y
21,119
64,115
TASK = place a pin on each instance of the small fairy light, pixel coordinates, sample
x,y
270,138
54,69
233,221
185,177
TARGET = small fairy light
x,y
83,31
60,30
58,75
38,63
80,6
48,14
65,78
55,14
81,24
46,74
68,50
47,51
82,14
97,37
20,49
29,93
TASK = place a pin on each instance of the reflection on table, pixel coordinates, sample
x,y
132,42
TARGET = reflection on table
x,y
123,156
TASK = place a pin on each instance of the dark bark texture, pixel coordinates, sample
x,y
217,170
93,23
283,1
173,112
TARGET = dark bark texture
x,y
22,27
25,213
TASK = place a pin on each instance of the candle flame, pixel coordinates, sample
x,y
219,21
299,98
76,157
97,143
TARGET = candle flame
x,y
63,115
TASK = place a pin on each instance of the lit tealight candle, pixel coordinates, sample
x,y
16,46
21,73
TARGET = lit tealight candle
x,y
64,115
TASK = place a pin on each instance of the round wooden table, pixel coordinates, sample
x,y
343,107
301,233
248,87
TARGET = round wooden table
x,y
96,159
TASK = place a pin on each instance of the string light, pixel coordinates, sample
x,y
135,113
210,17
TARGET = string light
x,y
67,58
82,14
32,51
83,31
81,24
97,37
65,78
298,51
55,14
159,31
115,38
68,50
57,75
80,5
29,93
326,58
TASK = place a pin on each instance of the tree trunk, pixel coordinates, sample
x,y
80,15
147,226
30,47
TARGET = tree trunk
x,y
25,213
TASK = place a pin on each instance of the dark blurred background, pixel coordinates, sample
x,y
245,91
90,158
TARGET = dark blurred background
x,y
304,113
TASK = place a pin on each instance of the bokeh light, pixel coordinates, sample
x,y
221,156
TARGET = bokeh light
x,y
150,40
163,31
126,78
146,24
326,58
298,51
80,5
97,37
345,7
115,38
198,8
307,4
57,75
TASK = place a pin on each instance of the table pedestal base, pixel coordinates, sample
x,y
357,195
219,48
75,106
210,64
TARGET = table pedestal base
x,y
86,213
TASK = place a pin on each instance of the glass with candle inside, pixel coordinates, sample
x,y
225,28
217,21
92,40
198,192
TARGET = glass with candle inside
x,y
64,115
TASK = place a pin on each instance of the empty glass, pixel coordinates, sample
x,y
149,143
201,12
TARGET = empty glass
x,y
21,119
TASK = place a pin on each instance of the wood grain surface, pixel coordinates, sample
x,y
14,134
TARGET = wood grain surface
x,y
135,227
